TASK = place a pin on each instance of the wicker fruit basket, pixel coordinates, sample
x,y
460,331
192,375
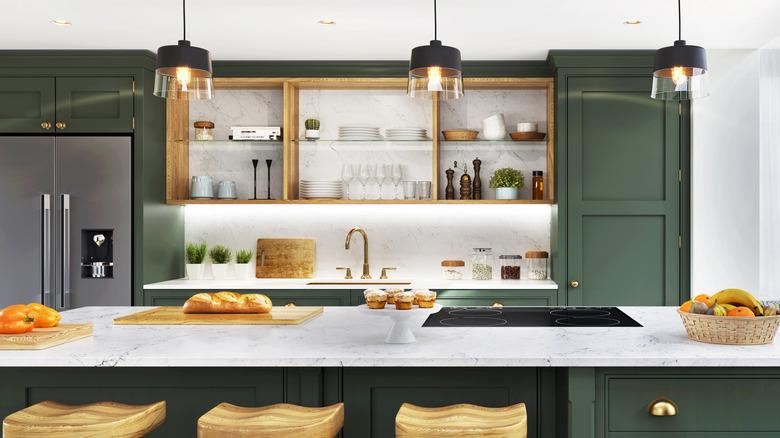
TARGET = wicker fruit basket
x,y
730,330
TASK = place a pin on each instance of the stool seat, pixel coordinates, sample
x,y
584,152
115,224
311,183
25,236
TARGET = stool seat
x,y
281,420
462,421
104,419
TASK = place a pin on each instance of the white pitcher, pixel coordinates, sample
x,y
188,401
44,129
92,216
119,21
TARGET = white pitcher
x,y
494,128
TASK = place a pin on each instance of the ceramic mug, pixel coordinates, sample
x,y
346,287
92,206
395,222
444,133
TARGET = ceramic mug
x,y
527,127
494,128
227,190
202,187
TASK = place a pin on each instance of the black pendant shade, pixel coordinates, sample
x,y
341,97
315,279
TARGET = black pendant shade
x,y
183,72
679,71
435,69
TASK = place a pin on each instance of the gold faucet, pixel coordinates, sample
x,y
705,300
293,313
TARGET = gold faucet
x,y
366,270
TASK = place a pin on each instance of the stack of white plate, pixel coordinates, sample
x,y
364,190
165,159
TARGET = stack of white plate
x,y
405,134
359,133
321,189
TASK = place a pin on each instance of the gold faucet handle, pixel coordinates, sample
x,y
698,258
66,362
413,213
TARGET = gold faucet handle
x,y
348,274
384,273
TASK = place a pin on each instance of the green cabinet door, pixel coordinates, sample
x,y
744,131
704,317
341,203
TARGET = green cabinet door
x,y
26,105
623,200
282,297
94,104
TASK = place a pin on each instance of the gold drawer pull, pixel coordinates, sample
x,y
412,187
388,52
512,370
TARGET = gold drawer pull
x,y
60,125
46,125
662,407
497,304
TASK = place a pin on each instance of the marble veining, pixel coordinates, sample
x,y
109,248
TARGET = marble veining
x,y
343,336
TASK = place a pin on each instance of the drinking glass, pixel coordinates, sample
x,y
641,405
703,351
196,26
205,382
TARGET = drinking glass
x,y
423,190
347,174
363,177
397,175
410,190
381,175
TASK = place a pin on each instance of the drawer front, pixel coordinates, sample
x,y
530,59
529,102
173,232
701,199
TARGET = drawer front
x,y
177,297
95,104
707,405
463,297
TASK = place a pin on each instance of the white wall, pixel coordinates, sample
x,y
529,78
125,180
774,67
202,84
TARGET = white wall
x,y
725,175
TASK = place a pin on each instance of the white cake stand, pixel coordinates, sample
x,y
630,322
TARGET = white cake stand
x,y
403,321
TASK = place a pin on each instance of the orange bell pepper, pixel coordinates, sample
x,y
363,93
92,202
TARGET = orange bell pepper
x,y
44,316
16,319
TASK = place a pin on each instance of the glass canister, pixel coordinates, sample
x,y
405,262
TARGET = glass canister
x,y
538,265
453,269
482,264
510,266
204,130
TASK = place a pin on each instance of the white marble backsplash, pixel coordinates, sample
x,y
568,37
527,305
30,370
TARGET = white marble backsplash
x,y
232,161
238,108
476,105
413,238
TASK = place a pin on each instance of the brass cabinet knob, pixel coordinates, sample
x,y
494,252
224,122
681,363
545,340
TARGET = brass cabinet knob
x,y
60,125
497,304
46,125
662,407
574,284
348,274
290,304
384,273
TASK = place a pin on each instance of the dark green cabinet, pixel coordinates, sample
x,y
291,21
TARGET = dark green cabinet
x,y
488,297
280,297
94,104
27,105
77,104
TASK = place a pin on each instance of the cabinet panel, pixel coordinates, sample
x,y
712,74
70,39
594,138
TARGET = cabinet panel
x,y
25,104
95,104
177,297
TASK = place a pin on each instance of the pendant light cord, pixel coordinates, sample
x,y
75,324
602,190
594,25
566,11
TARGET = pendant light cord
x,y
435,22
679,19
184,18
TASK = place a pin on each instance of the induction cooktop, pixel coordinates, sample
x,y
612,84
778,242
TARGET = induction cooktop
x,y
530,317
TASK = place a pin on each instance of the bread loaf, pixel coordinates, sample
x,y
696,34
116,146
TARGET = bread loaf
x,y
227,302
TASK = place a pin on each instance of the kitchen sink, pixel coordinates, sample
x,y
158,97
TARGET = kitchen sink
x,y
358,282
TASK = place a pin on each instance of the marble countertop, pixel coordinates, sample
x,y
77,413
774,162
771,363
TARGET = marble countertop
x,y
302,283
344,336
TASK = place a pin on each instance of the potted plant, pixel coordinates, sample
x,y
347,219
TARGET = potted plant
x,y
196,253
312,129
507,181
243,265
220,257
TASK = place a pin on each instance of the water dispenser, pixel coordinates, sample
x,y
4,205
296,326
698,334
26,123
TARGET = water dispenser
x,y
97,253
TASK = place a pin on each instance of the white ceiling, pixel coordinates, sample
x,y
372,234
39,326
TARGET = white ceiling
x,y
386,29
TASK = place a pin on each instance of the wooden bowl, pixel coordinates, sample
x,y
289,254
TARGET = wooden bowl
x,y
460,135
527,136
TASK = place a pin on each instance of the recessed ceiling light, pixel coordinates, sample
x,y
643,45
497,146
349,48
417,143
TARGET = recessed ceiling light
x,y
632,21
328,21
60,22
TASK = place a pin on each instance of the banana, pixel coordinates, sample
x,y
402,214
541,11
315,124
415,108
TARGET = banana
x,y
728,306
737,297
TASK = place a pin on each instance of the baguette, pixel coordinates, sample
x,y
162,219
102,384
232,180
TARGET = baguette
x,y
227,302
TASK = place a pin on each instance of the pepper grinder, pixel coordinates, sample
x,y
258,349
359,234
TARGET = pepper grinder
x,y
449,192
254,164
268,164
465,184
476,192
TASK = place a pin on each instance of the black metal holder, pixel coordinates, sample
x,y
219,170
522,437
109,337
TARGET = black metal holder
x,y
254,163
268,164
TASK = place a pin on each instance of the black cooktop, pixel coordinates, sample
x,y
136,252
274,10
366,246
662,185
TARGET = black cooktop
x,y
530,317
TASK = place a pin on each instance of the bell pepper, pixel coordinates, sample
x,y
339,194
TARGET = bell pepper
x,y
16,319
44,316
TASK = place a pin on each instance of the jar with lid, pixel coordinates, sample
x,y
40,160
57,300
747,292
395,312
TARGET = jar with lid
x,y
482,264
204,130
453,269
510,266
538,265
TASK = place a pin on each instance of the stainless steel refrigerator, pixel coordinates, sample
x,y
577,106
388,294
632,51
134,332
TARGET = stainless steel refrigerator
x,y
66,221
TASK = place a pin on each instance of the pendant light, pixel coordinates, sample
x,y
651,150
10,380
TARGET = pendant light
x,y
679,71
183,71
435,69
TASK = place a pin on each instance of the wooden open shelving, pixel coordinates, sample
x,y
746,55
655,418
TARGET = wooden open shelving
x,y
178,142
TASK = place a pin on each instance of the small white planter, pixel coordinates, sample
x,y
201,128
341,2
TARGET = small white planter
x,y
506,193
194,271
220,271
312,134
244,271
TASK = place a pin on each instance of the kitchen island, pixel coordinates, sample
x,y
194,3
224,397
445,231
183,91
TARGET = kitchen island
x,y
340,356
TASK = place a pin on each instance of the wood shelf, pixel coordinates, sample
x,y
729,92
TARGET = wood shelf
x,y
353,201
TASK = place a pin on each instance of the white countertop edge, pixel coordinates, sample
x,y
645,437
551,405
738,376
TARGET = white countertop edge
x,y
273,284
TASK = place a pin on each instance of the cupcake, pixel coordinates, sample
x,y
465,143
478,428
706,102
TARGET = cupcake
x,y
425,298
403,300
375,298
391,295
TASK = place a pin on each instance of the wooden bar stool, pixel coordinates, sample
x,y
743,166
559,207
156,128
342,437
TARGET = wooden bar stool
x,y
281,420
462,421
104,419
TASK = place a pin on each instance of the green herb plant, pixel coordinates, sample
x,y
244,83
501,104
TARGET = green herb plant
x,y
507,177
220,255
196,253
244,256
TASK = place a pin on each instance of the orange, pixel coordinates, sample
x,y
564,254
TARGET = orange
x,y
686,306
741,311
702,298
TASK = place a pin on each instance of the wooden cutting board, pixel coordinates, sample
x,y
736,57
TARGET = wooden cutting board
x,y
175,316
286,258
42,338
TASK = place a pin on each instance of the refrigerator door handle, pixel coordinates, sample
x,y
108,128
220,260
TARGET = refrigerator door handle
x,y
65,302
46,238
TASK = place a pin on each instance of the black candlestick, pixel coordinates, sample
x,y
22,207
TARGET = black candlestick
x,y
254,163
268,163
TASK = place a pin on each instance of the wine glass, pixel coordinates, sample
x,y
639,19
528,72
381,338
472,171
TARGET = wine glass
x,y
381,175
347,174
363,176
397,175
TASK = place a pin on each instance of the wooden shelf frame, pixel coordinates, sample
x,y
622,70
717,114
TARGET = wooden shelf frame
x,y
177,134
